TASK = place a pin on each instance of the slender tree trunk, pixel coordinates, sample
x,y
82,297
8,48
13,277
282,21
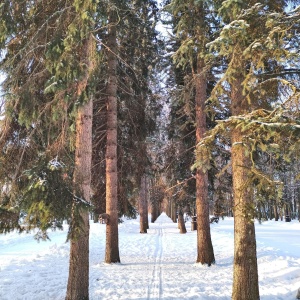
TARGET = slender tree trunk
x,y
143,206
173,211
147,197
154,211
78,282
168,209
245,274
205,252
270,209
112,235
299,208
181,223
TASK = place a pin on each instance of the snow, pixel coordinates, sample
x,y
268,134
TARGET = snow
x,y
157,265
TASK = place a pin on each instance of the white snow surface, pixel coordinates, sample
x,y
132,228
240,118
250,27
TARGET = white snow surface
x,y
157,265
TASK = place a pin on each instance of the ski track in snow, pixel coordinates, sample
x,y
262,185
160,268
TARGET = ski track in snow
x,y
155,286
157,265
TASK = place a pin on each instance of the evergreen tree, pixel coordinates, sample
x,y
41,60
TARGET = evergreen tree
x,y
112,240
136,57
49,61
255,82
192,27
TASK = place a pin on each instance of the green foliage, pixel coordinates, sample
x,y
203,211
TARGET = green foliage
x,y
40,198
46,197
45,49
275,133
190,32
137,101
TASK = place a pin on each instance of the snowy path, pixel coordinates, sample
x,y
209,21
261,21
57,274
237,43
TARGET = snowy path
x,y
155,286
156,265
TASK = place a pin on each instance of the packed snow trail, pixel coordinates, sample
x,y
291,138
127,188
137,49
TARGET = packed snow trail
x,y
155,286
156,265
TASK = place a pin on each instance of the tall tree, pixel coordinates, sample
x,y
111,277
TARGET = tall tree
x,y
204,244
254,99
192,32
245,284
112,235
78,281
49,61
136,55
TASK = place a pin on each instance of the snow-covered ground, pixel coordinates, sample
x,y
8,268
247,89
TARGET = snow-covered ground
x,y
157,265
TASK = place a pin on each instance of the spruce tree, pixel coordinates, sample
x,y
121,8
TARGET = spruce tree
x,y
49,62
191,28
253,86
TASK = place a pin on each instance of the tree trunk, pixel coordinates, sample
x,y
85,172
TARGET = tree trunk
x,y
173,211
78,281
154,211
298,294
245,274
147,197
205,252
270,209
181,223
245,277
299,209
112,235
143,206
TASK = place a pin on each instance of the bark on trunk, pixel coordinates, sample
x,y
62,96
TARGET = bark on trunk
x,y
78,281
181,223
147,197
205,252
173,211
143,206
245,275
112,235
154,211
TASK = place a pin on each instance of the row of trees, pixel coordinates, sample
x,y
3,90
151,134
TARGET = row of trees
x,y
78,105
82,98
235,98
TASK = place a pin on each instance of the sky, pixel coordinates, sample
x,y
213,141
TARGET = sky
x,y
157,265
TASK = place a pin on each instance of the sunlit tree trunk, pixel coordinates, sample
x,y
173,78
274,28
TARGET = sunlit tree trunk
x,y
112,235
78,282
181,224
245,274
205,252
